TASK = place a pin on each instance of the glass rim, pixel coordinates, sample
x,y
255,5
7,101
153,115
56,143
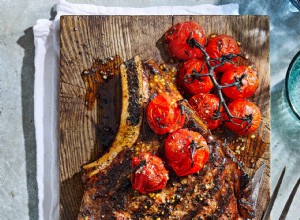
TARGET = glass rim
x,y
296,4
287,78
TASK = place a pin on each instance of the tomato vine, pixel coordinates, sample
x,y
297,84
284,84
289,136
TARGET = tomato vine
x,y
238,81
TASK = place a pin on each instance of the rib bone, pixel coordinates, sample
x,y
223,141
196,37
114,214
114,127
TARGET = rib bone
x,y
131,116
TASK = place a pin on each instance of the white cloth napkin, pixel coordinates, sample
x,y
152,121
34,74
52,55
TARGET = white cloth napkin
x,y
46,97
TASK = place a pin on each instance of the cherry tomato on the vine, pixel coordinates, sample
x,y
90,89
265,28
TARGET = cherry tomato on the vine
x,y
176,38
245,78
189,77
243,109
186,151
222,45
164,114
148,173
206,106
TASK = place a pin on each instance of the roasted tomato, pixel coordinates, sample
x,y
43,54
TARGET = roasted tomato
x,y
243,109
176,38
245,79
189,77
186,151
164,114
222,45
148,173
206,106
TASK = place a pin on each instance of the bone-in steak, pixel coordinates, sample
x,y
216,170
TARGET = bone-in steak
x,y
221,190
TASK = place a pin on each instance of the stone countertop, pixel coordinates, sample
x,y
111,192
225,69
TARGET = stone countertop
x,y
18,186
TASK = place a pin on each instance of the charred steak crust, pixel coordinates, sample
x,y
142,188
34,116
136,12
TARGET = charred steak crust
x,y
134,105
221,190
107,192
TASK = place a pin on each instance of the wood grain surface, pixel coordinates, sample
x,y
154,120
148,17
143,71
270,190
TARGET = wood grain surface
x,y
85,134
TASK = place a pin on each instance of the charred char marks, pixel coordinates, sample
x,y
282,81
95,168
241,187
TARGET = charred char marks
x,y
114,186
138,215
190,215
86,213
212,192
212,217
218,181
153,70
224,202
245,180
117,171
134,107
181,188
120,184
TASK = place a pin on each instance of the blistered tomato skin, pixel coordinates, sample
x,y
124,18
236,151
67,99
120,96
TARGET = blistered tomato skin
x,y
191,82
242,108
149,173
248,78
164,114
206,106
176,38
186,151
222,45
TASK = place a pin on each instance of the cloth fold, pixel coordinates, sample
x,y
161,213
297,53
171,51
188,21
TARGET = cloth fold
x,y
46,86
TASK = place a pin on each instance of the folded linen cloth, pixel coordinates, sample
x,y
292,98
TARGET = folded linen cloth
x,y
46,87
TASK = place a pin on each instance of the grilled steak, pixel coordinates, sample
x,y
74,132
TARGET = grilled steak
x,y
221,190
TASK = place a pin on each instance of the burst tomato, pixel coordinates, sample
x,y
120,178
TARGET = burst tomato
x,y
189,77
246,80
164,114
148,173
206,106
222,45
186,151
177,36
243,109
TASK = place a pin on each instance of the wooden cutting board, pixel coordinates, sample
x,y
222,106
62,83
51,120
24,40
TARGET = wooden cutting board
x,y
84,134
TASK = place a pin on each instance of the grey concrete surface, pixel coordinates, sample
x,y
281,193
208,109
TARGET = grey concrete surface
x,y
18,186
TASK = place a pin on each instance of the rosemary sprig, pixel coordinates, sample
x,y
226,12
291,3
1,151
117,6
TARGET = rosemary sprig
x,y
192,148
